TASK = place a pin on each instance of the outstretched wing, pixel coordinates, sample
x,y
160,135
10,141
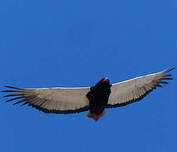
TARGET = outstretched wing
x,y
51,100
133,90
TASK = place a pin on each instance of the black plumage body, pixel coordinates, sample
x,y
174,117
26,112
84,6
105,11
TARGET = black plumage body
x,y
98,96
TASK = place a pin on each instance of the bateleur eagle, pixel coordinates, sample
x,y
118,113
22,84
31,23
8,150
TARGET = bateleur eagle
x,y
95,99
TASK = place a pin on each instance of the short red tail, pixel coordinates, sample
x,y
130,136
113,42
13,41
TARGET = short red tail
x,y
96,117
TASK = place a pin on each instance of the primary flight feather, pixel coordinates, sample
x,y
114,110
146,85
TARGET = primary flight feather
x,y
95,99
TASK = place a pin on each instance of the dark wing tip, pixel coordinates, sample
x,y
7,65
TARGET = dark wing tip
x,y
10,87
12,95
14,92
166,76
14,89
169,69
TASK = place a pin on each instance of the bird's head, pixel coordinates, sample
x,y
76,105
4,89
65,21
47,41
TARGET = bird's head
x,y
102,85
104,82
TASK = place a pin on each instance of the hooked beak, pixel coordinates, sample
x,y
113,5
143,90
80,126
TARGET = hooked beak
x,y
105,80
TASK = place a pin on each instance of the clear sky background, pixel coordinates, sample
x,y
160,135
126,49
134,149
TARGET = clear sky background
x,y
72,43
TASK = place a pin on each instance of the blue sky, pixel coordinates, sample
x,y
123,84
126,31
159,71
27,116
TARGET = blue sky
x,y
76,43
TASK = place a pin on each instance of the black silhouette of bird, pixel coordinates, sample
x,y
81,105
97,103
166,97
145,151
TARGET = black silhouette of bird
x,y
95,99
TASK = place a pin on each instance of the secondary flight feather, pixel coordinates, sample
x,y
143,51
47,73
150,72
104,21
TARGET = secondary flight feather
x,y
95,99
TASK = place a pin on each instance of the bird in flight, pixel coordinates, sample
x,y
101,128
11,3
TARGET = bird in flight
x,y
93,99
